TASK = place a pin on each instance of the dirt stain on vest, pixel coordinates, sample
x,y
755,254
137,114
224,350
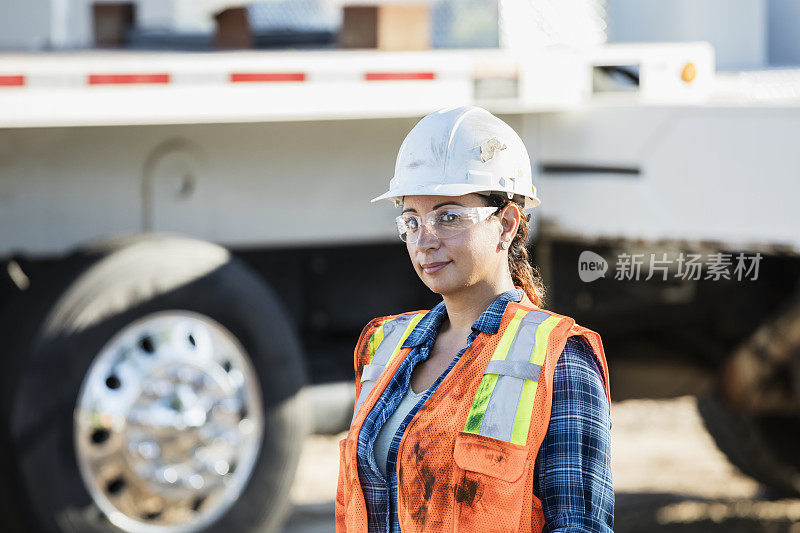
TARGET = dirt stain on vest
x,y
424,480
425,474
425,501
428,480
466,490
418,453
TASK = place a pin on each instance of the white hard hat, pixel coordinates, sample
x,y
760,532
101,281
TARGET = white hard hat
x,y
461,150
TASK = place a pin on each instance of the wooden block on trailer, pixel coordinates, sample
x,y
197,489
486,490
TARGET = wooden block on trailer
x,y
386,27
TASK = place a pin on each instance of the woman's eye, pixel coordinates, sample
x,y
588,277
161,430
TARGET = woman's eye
x,y
410,223
449,218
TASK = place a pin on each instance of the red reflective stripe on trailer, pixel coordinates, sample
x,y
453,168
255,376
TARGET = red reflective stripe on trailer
x,y
12,81
268,76
374,76
105,79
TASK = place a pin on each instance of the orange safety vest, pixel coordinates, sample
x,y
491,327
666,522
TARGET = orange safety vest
x,y
465,461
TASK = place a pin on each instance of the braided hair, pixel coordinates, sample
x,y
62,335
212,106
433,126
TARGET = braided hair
x,y
523,273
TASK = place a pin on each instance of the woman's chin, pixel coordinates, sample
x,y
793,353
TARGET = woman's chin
x,y
439,286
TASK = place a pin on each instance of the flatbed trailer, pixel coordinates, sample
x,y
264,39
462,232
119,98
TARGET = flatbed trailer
x,y
179,232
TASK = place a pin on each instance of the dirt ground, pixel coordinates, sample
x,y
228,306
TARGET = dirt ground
x,y
668,477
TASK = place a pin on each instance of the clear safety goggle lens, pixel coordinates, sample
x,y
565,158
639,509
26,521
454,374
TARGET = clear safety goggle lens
x,y
443,223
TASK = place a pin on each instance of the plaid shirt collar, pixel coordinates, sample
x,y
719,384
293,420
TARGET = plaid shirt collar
x,y
488,322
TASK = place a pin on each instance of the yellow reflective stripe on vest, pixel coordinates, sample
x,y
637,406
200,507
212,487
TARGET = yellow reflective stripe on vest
x,y
522,420
503,404
375,341
498,417
406,333
384,344
488,382
377,338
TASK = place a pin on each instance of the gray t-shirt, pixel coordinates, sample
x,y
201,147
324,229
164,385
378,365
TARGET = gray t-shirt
x,y
385,435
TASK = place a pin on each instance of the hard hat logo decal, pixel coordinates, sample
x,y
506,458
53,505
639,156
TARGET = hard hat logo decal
x,y
490,147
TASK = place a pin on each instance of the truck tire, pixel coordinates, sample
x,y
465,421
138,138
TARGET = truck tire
x,y
149,380
749,444
753,411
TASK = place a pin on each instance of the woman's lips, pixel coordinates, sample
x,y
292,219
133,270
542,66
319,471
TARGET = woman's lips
x,y
430,268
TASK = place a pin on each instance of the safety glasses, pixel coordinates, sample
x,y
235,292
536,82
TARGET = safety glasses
x,y
444,223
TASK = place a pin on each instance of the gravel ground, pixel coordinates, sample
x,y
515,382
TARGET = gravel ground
x,y
668,477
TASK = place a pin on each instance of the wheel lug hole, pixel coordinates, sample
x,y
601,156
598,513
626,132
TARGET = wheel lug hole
x,y
191,340
99,436
146,344
151,516
197,503
227,366
113,382
115,485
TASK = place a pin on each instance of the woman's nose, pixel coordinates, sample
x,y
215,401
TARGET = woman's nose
x,y
427,238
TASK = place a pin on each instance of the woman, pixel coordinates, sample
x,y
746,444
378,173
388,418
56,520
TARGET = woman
x,y
488,412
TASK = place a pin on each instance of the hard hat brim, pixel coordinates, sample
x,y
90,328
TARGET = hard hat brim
x,y
449,189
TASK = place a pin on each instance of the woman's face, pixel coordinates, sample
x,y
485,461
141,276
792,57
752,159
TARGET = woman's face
x,y
463,260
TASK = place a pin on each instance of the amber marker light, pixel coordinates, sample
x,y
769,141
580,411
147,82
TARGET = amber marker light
x,y
689,72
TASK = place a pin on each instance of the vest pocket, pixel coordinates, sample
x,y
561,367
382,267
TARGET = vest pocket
x,y
490,485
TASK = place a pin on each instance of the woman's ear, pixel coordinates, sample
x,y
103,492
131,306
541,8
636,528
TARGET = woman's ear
x,y
509,219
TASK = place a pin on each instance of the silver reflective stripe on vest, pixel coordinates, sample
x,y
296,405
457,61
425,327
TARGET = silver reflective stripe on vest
x,y
517,369
498,420
371,372
392,335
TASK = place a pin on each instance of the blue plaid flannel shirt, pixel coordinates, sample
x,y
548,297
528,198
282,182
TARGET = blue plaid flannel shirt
x,y
572,473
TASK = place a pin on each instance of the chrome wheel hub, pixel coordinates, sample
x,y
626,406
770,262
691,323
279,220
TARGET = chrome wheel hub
x,y
168,423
